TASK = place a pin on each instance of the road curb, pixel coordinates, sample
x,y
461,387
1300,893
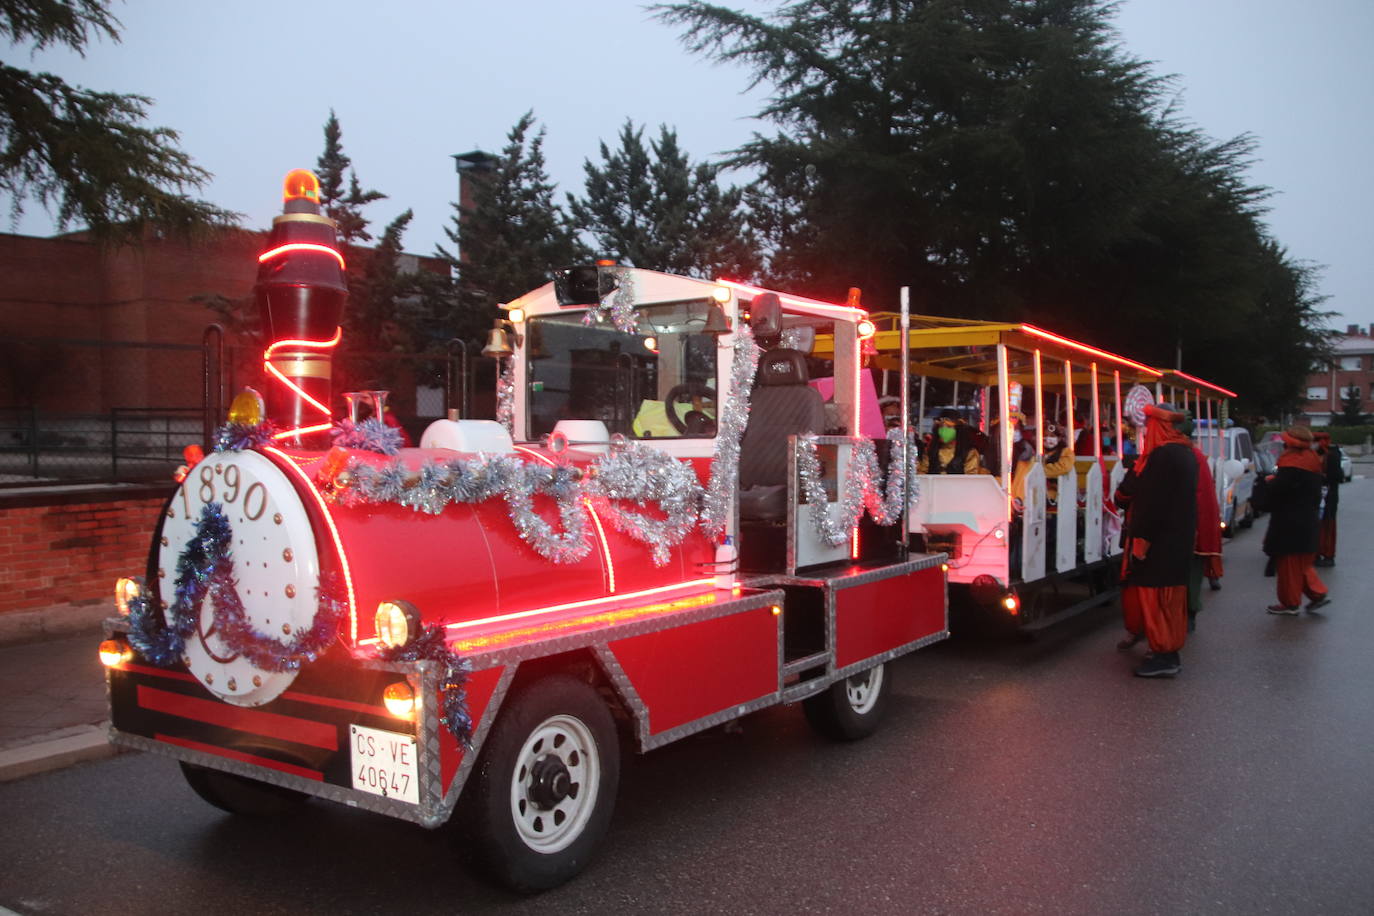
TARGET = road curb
x,y
88,742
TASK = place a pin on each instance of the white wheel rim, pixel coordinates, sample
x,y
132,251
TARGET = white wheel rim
x,y
552,829
862,689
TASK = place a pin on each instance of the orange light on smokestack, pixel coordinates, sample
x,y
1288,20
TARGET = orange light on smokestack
x,y
301,184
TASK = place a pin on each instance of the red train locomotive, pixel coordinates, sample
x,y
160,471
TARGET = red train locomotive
x,y
669,525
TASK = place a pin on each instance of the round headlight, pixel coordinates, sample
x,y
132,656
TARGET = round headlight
x,y
399,700
127,589
397,623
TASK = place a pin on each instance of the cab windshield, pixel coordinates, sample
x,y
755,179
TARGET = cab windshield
x,y
656,383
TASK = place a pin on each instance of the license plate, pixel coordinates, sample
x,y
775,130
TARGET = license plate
x,y
385,763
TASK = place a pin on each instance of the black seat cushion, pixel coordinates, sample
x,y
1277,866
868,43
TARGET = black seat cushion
x,y
783,405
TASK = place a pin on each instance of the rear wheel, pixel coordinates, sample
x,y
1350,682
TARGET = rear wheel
x,y
1248,518
240,795
852,708
542,794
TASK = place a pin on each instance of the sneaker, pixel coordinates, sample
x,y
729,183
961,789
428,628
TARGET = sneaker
x,y
1284,611
1215,584
1315,603
1161,664
1130,640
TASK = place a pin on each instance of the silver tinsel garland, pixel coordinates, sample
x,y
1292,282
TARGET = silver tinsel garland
x,y
371,435
863,486
640,475
505,395
470,480
621,309
719,499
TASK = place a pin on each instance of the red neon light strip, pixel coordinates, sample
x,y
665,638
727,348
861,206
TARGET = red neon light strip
x,y
307,344
1032,329
334,533
500,618
605,547
845,311
241,757
264,724
300,246
1194,378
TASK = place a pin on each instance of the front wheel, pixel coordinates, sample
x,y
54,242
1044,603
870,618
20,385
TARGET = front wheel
x,y
852,708
541,796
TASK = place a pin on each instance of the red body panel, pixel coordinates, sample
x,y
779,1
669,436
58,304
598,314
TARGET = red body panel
x,y
878,616
469,561
688,672
479,689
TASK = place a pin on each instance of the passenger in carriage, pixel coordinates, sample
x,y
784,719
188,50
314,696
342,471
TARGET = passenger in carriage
x,y
1058,462
1022,455
951,449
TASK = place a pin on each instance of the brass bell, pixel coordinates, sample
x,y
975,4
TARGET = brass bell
x,y
498,344
716,322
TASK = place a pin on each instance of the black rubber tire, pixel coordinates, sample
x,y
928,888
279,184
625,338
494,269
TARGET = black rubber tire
x,y
487,819
1249,518
833,715
240,795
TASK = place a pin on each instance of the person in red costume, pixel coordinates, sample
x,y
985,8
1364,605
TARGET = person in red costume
x,y
1159,495
1295,495
1207,547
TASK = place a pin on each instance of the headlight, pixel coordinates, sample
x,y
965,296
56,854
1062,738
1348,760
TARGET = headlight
x,y
396,623
127,589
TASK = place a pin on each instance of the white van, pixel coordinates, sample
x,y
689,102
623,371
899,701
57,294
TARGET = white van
x,y
1234,474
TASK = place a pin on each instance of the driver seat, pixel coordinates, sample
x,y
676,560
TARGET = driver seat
x,y
783,405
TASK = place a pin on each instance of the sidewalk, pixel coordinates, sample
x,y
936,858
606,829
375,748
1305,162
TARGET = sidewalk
x,y
54,711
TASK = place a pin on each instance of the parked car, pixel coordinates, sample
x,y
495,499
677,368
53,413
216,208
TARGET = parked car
x,y
1347,466
1235,472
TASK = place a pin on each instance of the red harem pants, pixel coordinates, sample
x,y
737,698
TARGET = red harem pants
x,y
1297,577
1327,547
1160,613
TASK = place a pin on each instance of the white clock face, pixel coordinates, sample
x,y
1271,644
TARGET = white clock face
x,y
275,565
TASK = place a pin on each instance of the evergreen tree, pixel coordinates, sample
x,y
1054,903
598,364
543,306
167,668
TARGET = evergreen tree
x,y
513,236
1006,159
1352,407
345,207
663,213
90,154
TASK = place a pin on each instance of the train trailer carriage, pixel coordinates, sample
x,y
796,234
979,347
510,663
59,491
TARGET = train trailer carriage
x,y
669,525
1033,535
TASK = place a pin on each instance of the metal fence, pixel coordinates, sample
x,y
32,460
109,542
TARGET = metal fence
x,y
98,411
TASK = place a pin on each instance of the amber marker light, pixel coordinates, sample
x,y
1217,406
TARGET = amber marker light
x,y
721,294
399,700
127,589
114,653
1012,604
516,315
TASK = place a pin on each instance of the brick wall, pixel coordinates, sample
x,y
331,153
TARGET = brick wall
x,y
71,549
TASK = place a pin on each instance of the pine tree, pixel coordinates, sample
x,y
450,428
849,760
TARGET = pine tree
x,y
1352,407
1006,160
345,207
90,154
512,238
663,213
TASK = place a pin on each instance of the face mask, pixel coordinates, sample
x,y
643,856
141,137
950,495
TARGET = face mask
x,y
946,434
1051,441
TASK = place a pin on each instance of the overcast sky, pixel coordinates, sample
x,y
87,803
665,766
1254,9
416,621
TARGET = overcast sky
x,y
250,83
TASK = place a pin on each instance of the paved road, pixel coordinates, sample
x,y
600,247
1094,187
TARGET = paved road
x,y
1011,778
